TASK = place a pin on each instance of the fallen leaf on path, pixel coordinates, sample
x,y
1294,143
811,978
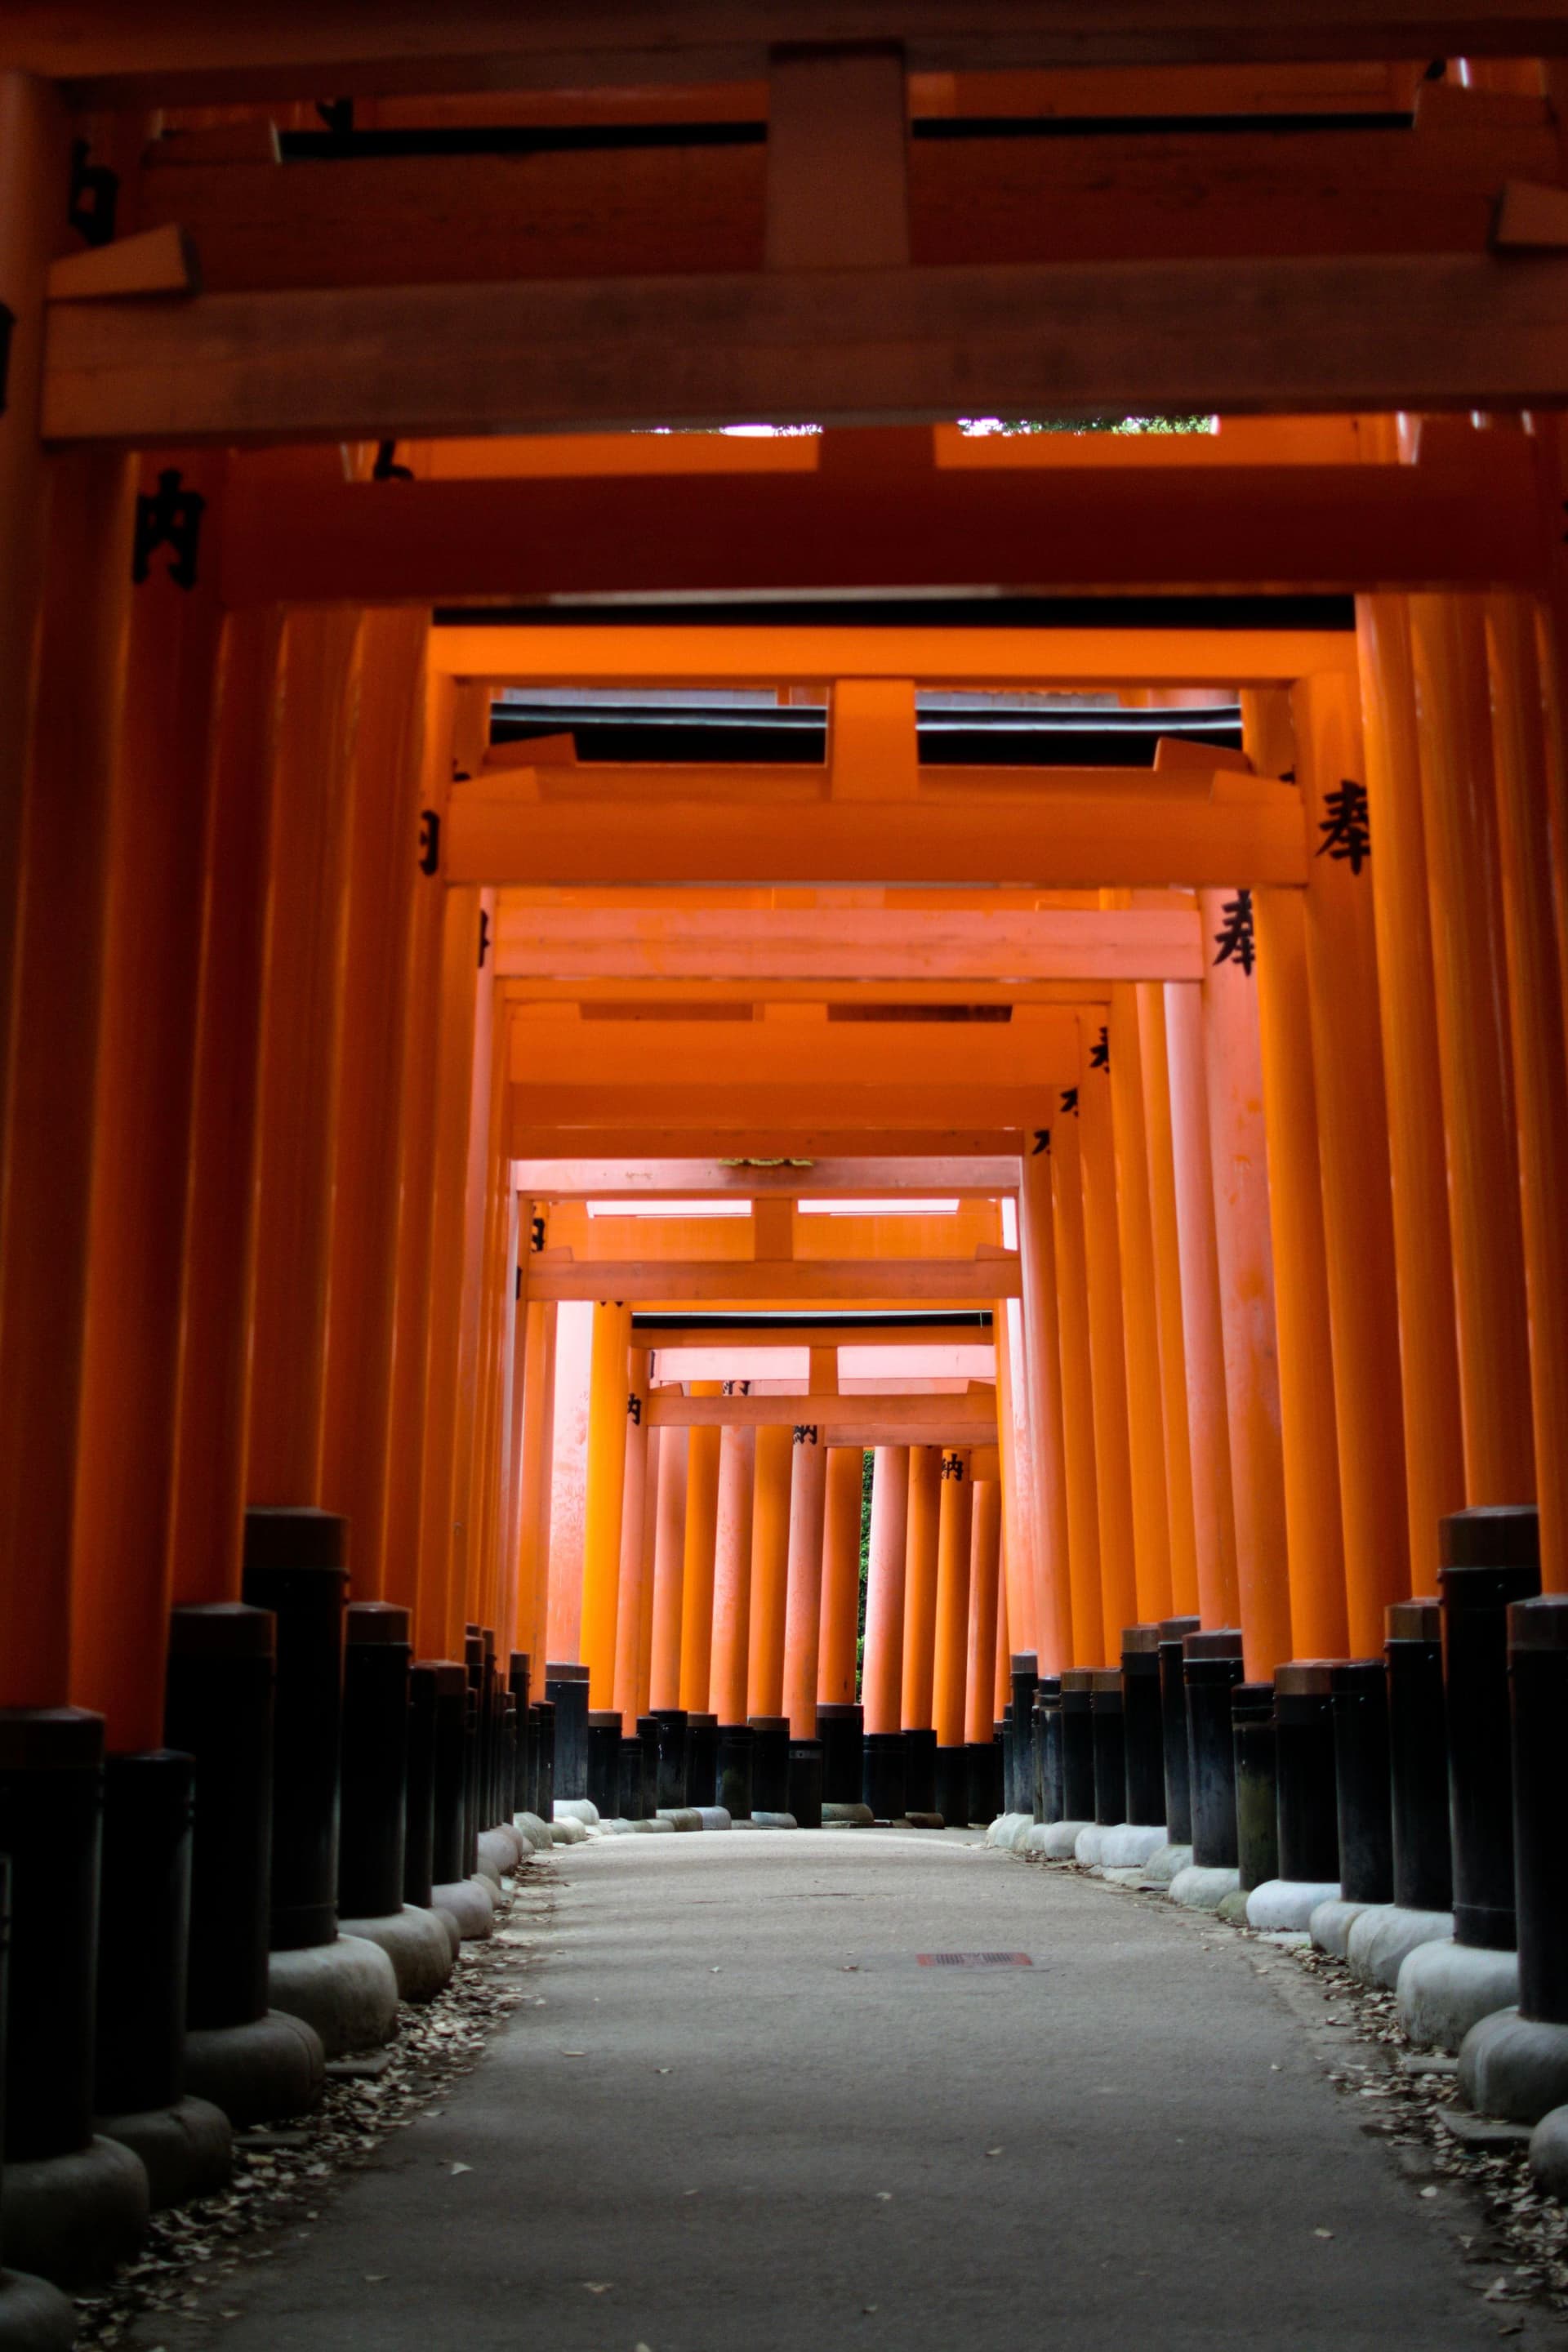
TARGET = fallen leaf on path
x,y
598,2286
459,2168
1323,2233
992,2151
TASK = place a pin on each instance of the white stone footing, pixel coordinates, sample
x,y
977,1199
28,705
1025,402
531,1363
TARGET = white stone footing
x,y
1288,1903
1446,1987
1201,1888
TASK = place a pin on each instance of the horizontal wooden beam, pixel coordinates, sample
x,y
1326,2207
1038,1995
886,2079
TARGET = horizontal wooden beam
x,y
744,1112
699,1179
848,944
171,52
700,1059
830,346
817,1333
796,1282
953,1420
733,654
770,1141
1334,526
1250,831
671,996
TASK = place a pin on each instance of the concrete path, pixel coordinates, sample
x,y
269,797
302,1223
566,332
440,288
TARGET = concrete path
x,y
748,2120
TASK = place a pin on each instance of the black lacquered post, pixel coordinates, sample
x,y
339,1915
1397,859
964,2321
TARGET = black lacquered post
x,y
1254,1740
1142,1727
1491,1559
1418,1757
1078,1744
1173,1632
1211,1667
1538,1674
1309,1802
1359,1690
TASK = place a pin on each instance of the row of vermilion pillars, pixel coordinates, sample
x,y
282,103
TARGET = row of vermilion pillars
x,y
256,1232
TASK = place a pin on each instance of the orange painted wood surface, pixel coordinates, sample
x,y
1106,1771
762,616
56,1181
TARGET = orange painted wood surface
x,y
838,1632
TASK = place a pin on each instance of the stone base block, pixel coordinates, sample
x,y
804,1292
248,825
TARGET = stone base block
x,y
257,2072
73,2219
576,1809
1130,1845
1515,2067
33,2315
1445,1987
347,1990
1087,1846
187,2150
534,1833
498,1854
681,1817
568,1832
922,1821
1331,1924
713,1817
473,1904
1231,1910
1061,1840
774,1822
1005,1829
454,1932
1383,1939
416,1943
1165,1862
654,1828
1287,1905
1548,2154
848,1817
1203,1887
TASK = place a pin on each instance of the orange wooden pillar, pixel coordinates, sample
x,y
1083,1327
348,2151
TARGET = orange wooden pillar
x,y
950,1674
1201,1318
532,1479
657,1439
35,178
1458,807
604,1497
637,1557
1107,1350
1239,1161
125,1460
1166,1236
1088,1614
1433,1444
770,1571
1353,1157
697,1572
1041,1333
983,1704
920,1585
1140,1312
1541,1067
1015,1445
384,878
732,1573
301,1033
55,1017
669,1571
838,1632
802,1608
569,1479
881,1680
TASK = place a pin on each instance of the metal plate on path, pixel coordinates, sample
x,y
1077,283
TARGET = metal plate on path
x,y
973,1960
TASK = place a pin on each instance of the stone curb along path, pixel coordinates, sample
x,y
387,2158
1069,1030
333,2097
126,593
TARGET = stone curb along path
x,y
1475,2176
190,2272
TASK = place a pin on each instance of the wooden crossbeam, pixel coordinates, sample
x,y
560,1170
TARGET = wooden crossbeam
x,y
1354,332
1248,830
878,1059
849,943
744,1112
596,1135
1334,526
170,53
797,1282
809,655
674,1179
952,1419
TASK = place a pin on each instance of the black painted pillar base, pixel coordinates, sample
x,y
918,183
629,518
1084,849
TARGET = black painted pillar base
x,y
701,1758
1009,1803
1078,1744
919,1771
672,1757
566,1687
883,1774
1360,1708
1173,1632
1538,1674
770,1763
806,1783
1109,1728
986,1761
628,1802
541,1735
1307,1801
1256,1792
51,1799
374,1759
1142,1726
1049,1806
473,1746
1491,1559
217,1708
419,1789
1211,1667
841,1730
144,1918
1418,1757
952,1787
736,1750
1018,1780
296,1564
648,1739
449,1831
519,1676
605,1761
